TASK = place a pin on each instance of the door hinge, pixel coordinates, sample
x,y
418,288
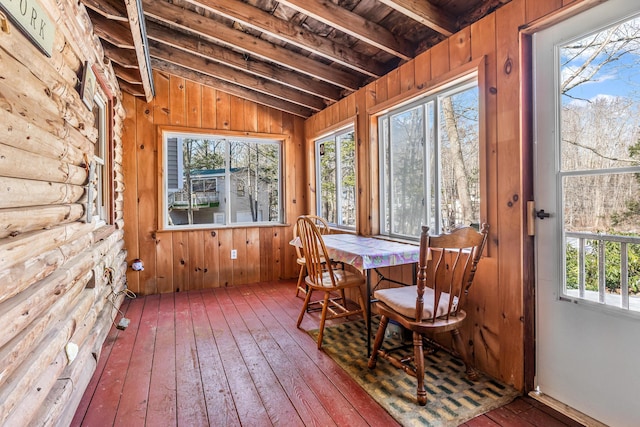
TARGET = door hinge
x,y
532,214
531,221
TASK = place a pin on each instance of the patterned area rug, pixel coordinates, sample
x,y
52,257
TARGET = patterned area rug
x,y
452,399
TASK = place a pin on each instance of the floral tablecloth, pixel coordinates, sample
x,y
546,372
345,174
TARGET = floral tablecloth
x,y
365,253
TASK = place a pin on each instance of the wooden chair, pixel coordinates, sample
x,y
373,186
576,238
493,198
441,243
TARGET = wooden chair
x,y
323,276
446,269
324,228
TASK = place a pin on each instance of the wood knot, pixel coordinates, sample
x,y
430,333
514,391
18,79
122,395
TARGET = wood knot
x,y
508,66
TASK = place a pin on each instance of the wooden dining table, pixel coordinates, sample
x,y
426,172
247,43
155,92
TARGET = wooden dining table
x,y
367,255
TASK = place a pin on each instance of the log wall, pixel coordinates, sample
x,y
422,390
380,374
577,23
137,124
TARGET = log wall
x,y
199,259
495,330
61,278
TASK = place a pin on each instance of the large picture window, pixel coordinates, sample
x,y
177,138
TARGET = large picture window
x,y
430,163
336,178
214,180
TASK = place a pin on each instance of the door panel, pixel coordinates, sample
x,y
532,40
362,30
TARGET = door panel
x,y
587,326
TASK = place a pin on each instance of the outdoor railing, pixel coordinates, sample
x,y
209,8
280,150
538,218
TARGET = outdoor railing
x,y
198,199
583,242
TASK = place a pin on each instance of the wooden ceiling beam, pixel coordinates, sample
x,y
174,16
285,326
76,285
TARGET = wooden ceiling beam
x,y
110,9
230,75
354,25
139,34
426,14
264,22
133,89
117,33
232,89
129,75
195,23
123,57
214,52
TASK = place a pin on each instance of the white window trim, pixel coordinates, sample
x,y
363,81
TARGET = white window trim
x,y
454,86
321,140
181,133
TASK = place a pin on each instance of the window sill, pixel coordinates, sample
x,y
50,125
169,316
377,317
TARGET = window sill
x,y
222,227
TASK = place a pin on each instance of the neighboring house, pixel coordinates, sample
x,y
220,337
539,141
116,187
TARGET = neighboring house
x,y
205,198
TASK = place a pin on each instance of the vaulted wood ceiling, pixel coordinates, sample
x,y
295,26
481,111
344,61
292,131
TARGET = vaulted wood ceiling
x,y
298,56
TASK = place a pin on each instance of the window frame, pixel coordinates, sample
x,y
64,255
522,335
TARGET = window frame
x,y
335,136
102,208
163,130
452,83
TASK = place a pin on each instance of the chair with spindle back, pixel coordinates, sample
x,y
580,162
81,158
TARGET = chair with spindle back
x,y
323,227
323,276
446,268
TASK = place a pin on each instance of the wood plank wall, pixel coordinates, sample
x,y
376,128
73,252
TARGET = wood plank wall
x,y
495,327
54,293
199,259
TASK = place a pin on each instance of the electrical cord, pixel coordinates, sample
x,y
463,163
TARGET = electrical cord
x,y
113,296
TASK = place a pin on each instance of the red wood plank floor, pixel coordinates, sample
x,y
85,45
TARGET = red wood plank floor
x,y
233,356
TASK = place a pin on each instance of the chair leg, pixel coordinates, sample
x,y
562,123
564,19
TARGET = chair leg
x,y
344,298
418,354
458,345
323,318
377,343
363,306
304,307
300,279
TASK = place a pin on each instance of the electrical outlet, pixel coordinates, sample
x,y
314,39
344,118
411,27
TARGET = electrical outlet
x,y
234,254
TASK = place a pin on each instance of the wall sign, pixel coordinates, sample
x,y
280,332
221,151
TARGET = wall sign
x,y
32,21
88,86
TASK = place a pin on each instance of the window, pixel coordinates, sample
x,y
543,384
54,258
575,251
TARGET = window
x,y
101,159
218,180
336,178
429,163
599,170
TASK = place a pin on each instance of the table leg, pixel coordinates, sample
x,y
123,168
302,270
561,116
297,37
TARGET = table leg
x,y
368,313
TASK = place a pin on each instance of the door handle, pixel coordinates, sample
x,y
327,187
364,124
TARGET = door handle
x,y
542,214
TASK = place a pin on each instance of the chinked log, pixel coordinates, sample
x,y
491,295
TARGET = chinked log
x,y
18,80
16,351
17,132
48,119
23,247
63,399
27,385
18,163
90,304
21,276
22,411
19,192
22,309
22,220
106,298
80,372
60,66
